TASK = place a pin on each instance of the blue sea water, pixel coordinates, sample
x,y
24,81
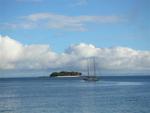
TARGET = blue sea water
x,y
73,95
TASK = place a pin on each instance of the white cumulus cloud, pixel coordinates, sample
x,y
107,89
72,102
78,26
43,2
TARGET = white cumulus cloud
x,y
15,55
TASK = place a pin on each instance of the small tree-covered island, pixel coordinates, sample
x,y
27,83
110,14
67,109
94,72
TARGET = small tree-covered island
x,y
65,74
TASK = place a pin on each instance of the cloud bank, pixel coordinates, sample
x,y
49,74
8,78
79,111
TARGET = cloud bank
x,y
58,21
15,55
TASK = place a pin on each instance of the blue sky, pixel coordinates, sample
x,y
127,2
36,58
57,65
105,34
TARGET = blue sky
x,y
128,24
55,35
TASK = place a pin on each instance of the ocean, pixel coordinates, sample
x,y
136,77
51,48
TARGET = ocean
x,y
111,94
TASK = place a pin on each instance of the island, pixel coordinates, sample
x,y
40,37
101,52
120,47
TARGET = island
x,y
65,74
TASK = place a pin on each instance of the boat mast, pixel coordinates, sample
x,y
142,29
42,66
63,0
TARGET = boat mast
x,y
88,67
94,66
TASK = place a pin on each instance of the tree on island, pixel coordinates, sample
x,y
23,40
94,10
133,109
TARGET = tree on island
x,y
65,73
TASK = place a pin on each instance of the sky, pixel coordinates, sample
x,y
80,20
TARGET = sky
x,y
52,34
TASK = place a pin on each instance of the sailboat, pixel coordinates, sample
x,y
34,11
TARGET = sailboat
x,y
91,77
